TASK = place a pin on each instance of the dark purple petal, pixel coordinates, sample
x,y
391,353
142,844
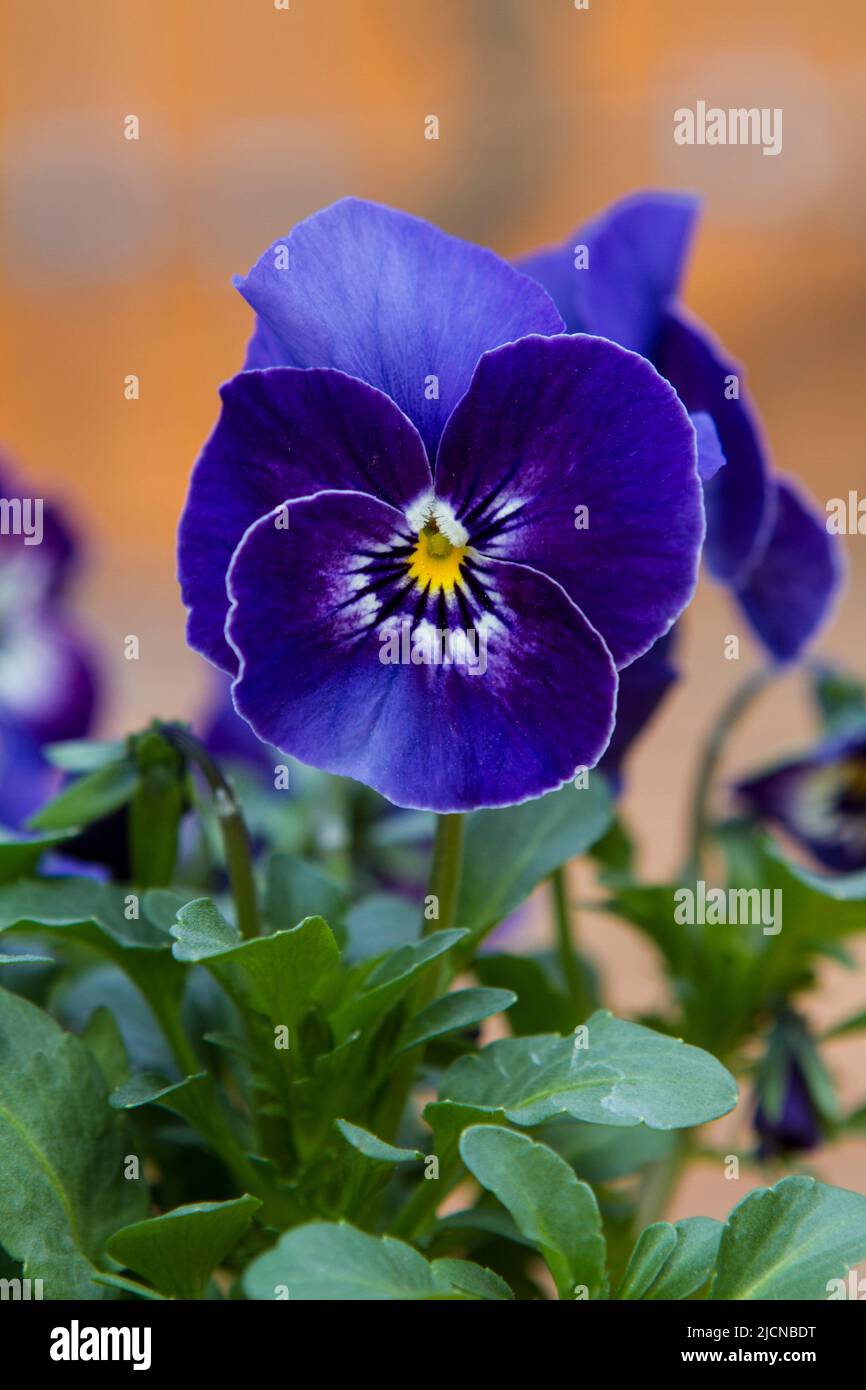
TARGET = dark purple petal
x,y
636,251
550,425
788,594
390,299
796,1127
820,801
284,433
737,498
317,610
642,688
710,455
47,677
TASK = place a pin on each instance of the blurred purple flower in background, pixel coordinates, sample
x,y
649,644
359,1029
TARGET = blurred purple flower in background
x,y
47,672
619,276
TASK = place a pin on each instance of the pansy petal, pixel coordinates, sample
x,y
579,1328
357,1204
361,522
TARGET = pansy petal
x,y
47,678
788,594
551,426
819,800
27,780
284,433
642,688
390,299
326,638
635,254
737,498
710,455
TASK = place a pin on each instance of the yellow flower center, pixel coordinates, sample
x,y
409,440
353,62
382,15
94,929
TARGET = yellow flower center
x,y
435,562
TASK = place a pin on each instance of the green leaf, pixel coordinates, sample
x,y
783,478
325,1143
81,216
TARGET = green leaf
x,y
61,1154
178,1251
509,851
469,1278
604,1153
390,979
81,912
789,1242
157,805
625,1075
375,1150
549,1204
84,755
671,1262
539,1004
19,854
273,976
855,1023
296,890
90,798
328,1261
380,923
463,1008
10,958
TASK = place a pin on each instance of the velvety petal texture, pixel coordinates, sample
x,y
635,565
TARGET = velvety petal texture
x,y
819,800
284,433
738,497
574,456
344,662
392,300
635,253
788,593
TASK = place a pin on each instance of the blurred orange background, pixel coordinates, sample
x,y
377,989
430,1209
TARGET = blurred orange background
x,y
117,256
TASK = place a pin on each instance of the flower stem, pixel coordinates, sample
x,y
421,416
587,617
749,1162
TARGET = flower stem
x,y
445,871
444,886
569,960
730,716
235,836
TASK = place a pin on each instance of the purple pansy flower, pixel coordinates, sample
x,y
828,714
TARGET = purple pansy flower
x,y
413,453
819,800
47,686
47,681
793,1093
619,277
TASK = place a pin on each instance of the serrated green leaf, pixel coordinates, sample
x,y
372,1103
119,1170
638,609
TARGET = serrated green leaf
x,y
510,850
789,1242
273,976
462,1008
179,1250
671,1261
549,1204
470,1279
61,1154
625,1075
389,980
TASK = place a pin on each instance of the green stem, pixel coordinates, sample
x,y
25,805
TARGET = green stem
x,y
445,871
444,885
235,836
569,960
731,715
